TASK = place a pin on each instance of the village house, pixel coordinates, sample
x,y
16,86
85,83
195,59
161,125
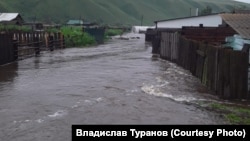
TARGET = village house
x,y
213,20
215,48
11,19
238,21
74,23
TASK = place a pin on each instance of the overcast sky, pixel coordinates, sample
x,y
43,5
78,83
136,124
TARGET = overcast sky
x,y
246,1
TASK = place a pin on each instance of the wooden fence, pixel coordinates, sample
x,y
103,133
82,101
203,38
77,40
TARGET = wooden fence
x,y
21,45
30,44
155,36
149,35
222,70
169,46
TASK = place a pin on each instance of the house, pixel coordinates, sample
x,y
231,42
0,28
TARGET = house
x,y
176,25
220,30
240,23
75,22
213,20
139,29
11,18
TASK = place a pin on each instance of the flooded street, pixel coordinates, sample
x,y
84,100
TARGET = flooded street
x,y
115,83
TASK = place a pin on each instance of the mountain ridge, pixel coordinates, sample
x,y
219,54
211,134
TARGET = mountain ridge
x,y
128,12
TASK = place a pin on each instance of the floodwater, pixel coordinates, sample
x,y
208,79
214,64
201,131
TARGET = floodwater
x,y
115,83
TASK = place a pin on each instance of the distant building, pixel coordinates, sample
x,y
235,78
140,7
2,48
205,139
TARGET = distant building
x,y
75,22
11,18
238,20
213,20
140,29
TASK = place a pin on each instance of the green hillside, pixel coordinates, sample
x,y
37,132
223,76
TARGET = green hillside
x,y
128,12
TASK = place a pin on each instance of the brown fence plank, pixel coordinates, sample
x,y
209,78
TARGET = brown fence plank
x,y
212,55
238,74
223,73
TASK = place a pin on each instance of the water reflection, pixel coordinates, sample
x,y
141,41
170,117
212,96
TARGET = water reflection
x,y
37,63
8,72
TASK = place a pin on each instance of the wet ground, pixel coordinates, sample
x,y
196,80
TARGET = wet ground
x,y
115,83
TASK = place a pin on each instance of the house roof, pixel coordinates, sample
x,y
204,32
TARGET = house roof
x,y
187,17
6,17
239,22
75,22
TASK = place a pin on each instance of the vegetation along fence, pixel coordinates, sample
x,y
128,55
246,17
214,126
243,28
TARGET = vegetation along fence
x,y
20,45
223,70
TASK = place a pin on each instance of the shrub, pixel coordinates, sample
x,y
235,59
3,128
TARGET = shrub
x,y
113,32
75,37
10,28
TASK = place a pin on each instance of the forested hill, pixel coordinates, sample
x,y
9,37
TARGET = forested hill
x,y
129,12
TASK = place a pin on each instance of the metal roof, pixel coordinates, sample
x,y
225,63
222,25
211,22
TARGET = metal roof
x,y
6,17
239,22
188,17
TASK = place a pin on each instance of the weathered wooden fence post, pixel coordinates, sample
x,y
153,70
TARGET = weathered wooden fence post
x,y
156,45
238,75
246,49
63,41
51,43
61,38
15,49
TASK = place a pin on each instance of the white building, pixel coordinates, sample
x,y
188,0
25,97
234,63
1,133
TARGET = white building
x,y
140,29
213,20
11,18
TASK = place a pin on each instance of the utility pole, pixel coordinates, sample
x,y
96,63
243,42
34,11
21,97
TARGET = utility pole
x,y
79,20
141,20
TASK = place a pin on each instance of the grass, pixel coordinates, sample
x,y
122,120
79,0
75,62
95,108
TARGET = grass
x,y
10,28
113,32
232,113
52,30
74,36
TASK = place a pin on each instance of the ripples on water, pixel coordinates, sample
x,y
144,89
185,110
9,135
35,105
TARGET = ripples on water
x,y
118,82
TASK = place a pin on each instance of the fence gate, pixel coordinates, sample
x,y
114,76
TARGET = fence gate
x,y
169,46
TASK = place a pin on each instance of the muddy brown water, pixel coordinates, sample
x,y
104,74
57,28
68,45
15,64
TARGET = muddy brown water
x,y
115,83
